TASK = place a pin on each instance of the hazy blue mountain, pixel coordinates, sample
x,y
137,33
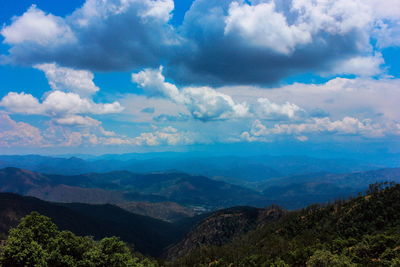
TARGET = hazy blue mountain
x,y
124,186
234,169
302,190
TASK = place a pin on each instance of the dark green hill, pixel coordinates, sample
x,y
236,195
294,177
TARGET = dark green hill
x,y
148,235
222,227
364,231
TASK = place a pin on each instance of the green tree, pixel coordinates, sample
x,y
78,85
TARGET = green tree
x,y
26,244
324,258
37,242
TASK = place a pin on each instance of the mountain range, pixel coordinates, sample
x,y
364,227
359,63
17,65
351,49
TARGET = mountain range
x,y
175,195
198,192
244,170
299,191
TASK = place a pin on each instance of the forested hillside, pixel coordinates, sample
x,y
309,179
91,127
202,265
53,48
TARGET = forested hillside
x,y
364,231
149,236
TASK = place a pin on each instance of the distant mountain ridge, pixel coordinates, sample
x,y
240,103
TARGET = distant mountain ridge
x,y
189,190
124,186
302,190
228,168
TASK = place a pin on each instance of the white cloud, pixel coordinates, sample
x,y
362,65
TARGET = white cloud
x,y
207,104
21,103
34,26
265,109
388,9
339,97
320,126
153,81
159,10
67,79
77,120
56,104
164,136
387,33
204,103
261,25
334,17
361,66
68,109
14,133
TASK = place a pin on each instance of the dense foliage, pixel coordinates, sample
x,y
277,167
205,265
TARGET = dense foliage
x,y
36,241
364,231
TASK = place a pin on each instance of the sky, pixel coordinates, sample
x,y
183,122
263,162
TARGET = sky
x,y
263,76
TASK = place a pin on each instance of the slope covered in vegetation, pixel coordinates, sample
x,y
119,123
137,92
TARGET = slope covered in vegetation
x,y
36,241
364,231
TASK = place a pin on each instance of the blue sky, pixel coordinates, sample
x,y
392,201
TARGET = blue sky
x,y
269,76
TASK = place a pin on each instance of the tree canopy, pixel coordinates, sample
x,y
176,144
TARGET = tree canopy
x,y
36,241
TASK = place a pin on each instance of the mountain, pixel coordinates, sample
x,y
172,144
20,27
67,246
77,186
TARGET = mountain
x,y
302,190
124,186
168,211
223,226
149,236
363,231
244,170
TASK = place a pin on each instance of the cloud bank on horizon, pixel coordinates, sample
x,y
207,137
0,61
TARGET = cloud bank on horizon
x,y
216,77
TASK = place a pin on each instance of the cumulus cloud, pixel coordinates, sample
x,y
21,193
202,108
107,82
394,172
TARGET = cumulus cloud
x,y
56,103
204,103
14,133
71,95
153,81
207,104
37,27
339,97
100,35
260,25
67,79
361,66
261,42
77,120
21,134
67,105
269,110
21,103
165,136
346,126
218,43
